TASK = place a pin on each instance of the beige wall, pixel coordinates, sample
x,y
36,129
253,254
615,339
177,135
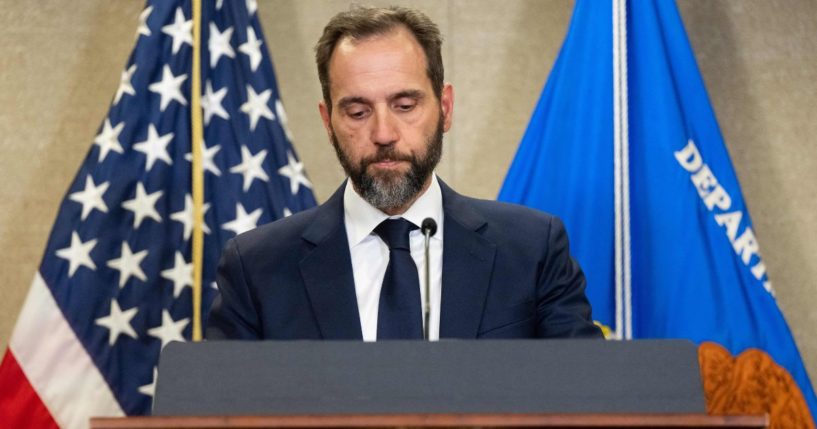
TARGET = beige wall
x,y
60,65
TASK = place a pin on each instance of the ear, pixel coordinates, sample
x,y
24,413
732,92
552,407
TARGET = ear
x,y
326,117
447,105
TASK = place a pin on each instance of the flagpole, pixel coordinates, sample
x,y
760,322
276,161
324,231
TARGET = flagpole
x,y
617,176
621,166
625,171
198,173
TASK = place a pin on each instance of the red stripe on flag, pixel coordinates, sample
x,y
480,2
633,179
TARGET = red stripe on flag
x,y
20,406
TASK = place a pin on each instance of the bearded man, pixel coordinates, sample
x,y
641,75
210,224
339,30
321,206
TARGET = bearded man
x,y
354,267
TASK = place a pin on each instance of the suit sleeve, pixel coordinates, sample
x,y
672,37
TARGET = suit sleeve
x,y
233,314
563,310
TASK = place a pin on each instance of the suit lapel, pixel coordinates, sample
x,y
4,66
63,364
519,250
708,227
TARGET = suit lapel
x,y
468,260
327,273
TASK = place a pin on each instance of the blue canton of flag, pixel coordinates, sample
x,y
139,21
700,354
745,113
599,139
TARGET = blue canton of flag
x,y
118,262
625,147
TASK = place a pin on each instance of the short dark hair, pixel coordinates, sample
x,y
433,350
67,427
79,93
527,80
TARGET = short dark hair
x,y
360,22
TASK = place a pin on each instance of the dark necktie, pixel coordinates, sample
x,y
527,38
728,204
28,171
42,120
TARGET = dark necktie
x,y
399,314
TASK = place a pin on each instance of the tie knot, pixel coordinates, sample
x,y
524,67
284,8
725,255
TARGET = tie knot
x,y
395,232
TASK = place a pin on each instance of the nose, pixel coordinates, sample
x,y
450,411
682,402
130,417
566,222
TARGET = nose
x,y
385,131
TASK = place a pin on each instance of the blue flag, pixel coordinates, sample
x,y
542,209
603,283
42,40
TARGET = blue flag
x,y
625,147
114,285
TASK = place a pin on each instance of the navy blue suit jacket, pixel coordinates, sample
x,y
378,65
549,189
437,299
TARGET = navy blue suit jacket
x,y
507,273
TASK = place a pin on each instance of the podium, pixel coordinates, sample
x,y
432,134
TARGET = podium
x,y
555,421
503,383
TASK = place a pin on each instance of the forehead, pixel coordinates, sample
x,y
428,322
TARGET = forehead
x,y
390,62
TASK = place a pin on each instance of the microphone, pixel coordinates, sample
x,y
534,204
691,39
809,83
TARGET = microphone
x,y
428,228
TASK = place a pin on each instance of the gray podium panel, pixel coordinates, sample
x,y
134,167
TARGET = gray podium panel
x,y
504,376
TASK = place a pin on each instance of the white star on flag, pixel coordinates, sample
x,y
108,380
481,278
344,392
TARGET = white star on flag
x,y
181,31
169,88
91,197
155,147
282,118
150,389
219,44
252,167
143,205
181,274
125,86
252,48
294,170
169,330
243,221
207,158
252,6
128,264
211,103
143,28
186,216
108,139
78,254
256,106
118,322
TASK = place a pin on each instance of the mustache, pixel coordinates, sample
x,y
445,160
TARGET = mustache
x,y
386,153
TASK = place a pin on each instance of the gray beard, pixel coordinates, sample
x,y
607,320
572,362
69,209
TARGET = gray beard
x,y
390,190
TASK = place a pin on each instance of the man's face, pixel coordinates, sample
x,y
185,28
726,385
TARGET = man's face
x,y
386,124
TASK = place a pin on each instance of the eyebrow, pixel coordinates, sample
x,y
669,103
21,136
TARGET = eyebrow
x,y
347,101
409,93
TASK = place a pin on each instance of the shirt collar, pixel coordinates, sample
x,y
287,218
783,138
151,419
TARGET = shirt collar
x,y
361,218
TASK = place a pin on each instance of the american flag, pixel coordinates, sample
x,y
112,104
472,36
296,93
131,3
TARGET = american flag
x,y
114,285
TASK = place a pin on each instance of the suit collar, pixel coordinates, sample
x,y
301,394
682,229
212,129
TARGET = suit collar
x,y
327,273
461,208
328,218
468,261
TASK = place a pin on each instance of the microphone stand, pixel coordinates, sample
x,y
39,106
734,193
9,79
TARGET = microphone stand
x,y
427,303
429,227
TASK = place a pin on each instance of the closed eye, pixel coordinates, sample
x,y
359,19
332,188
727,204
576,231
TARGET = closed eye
x,y
357,112
354,107
406,101
405,107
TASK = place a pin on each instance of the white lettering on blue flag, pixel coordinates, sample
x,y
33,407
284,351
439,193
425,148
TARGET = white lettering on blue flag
x,y
714,196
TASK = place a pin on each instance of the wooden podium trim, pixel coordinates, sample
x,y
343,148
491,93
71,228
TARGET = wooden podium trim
x,y
438,421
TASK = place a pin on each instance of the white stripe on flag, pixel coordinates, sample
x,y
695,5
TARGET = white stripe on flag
x,y
57,365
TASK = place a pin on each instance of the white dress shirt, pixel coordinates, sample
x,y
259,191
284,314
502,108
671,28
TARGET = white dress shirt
x,y
370,254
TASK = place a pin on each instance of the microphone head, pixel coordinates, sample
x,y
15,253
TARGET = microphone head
x,y
429,226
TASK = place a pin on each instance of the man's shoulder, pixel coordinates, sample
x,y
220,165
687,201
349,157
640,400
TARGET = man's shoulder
x,y
281,233
310,224
504,210
518,232
513,218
